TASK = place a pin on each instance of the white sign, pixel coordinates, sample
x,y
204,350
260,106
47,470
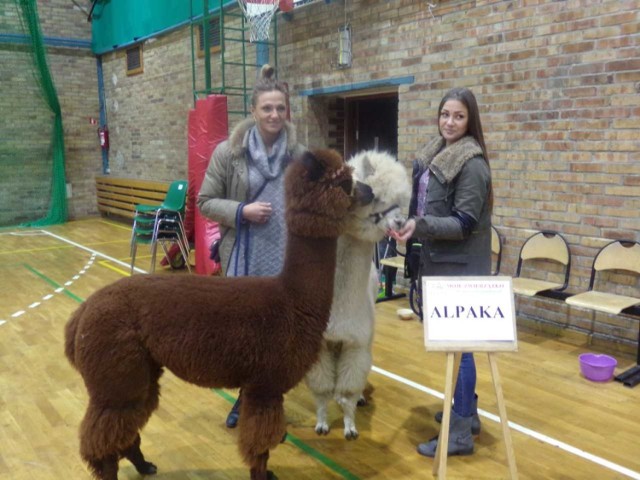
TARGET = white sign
x,y
469,314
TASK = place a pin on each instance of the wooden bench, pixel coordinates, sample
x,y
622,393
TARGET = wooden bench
x,y
119,196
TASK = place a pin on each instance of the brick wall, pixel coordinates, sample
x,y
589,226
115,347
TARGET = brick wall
x,y
559,88
558,83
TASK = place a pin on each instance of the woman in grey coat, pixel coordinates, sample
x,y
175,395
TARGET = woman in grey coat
x,y
243,182
243,187
451,216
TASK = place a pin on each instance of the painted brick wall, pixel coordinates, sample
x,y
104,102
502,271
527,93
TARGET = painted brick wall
x,y
558,83
74,76
147,112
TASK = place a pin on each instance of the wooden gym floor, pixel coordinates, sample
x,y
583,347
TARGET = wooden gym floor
x,y
562,426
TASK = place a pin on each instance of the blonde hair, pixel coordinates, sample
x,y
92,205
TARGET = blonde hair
x,y
267,82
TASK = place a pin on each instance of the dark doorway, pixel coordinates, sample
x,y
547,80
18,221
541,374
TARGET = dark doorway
x,y
371,123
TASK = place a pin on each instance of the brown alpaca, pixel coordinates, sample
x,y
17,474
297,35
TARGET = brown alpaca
x,y
258,333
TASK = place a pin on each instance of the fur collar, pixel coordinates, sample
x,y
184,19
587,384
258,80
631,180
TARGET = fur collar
x,y
238,140
447,162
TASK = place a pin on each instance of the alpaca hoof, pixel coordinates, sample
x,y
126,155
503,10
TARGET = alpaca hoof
x,y
351,434
147,468
322,429
362,401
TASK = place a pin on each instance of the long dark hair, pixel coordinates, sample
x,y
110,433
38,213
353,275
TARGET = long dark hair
x,y
474,125
267,82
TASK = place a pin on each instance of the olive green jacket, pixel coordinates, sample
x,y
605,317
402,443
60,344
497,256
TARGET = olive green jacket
x,y
459,185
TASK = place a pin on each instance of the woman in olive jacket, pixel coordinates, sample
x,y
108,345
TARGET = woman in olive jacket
x,y
451,216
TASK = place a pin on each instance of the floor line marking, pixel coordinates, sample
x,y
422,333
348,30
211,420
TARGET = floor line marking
x,y
106,264
116,225
102,255
532,433
51,282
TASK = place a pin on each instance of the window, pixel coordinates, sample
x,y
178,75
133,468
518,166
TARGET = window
x,y
134,60
214,37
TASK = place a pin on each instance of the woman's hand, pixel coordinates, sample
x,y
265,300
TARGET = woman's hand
x,y
257,212
405,232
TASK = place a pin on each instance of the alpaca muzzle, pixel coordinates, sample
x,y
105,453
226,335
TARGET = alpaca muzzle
x,y
362,194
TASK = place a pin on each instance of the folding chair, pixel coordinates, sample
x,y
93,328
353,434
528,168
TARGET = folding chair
x,y
548,247
616,256
162,224
496,249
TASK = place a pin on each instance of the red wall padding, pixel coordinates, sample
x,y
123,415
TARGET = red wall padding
x,y
208,126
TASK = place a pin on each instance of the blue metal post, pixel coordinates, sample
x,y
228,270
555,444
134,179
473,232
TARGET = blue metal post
x,y
103,114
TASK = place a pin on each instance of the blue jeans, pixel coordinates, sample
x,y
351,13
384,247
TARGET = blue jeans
x,y
465,386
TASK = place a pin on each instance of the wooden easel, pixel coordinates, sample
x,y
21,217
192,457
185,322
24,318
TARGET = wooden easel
x,y
452,333
440,460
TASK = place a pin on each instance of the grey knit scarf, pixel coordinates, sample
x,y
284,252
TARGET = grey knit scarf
x,y
262,245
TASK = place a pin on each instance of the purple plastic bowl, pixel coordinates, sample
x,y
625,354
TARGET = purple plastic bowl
x,y
597,367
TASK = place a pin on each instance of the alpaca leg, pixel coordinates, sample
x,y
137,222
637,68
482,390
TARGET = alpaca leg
x,y
105,468
322,422
135,456
354,365
262,428
321,381
257,473
110,431
134,453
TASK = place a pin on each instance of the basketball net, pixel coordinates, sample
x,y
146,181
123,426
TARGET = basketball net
x,y
258,14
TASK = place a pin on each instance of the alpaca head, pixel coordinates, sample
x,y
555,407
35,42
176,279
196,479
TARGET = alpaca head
x,y
391,189
319,192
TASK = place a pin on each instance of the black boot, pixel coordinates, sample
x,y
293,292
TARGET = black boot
x,y
476,425
460,438
234,414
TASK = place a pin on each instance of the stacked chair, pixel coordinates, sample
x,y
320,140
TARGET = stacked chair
x,y
163,224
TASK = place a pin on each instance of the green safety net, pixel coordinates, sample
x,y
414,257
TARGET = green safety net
x,y
32,163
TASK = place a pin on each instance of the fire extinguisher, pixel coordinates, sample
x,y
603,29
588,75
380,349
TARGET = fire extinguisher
x,y
103,134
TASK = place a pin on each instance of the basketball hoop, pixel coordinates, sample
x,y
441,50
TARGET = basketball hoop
x,y
258,14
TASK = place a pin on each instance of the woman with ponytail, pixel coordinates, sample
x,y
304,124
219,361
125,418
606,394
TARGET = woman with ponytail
x,y
243,187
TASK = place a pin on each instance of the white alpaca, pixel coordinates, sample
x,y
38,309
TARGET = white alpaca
x,y
345,356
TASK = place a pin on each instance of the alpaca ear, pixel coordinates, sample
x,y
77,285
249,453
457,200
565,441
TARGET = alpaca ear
x,y
363,194
367,168
315,169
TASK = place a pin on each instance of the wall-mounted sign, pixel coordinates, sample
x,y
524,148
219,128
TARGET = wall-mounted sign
x,y
467,314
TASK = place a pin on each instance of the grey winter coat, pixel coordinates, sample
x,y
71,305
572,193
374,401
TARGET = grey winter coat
x,y
226,181
456,229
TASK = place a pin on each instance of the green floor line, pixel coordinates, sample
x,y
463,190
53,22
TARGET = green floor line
x,y
327,462
53,283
